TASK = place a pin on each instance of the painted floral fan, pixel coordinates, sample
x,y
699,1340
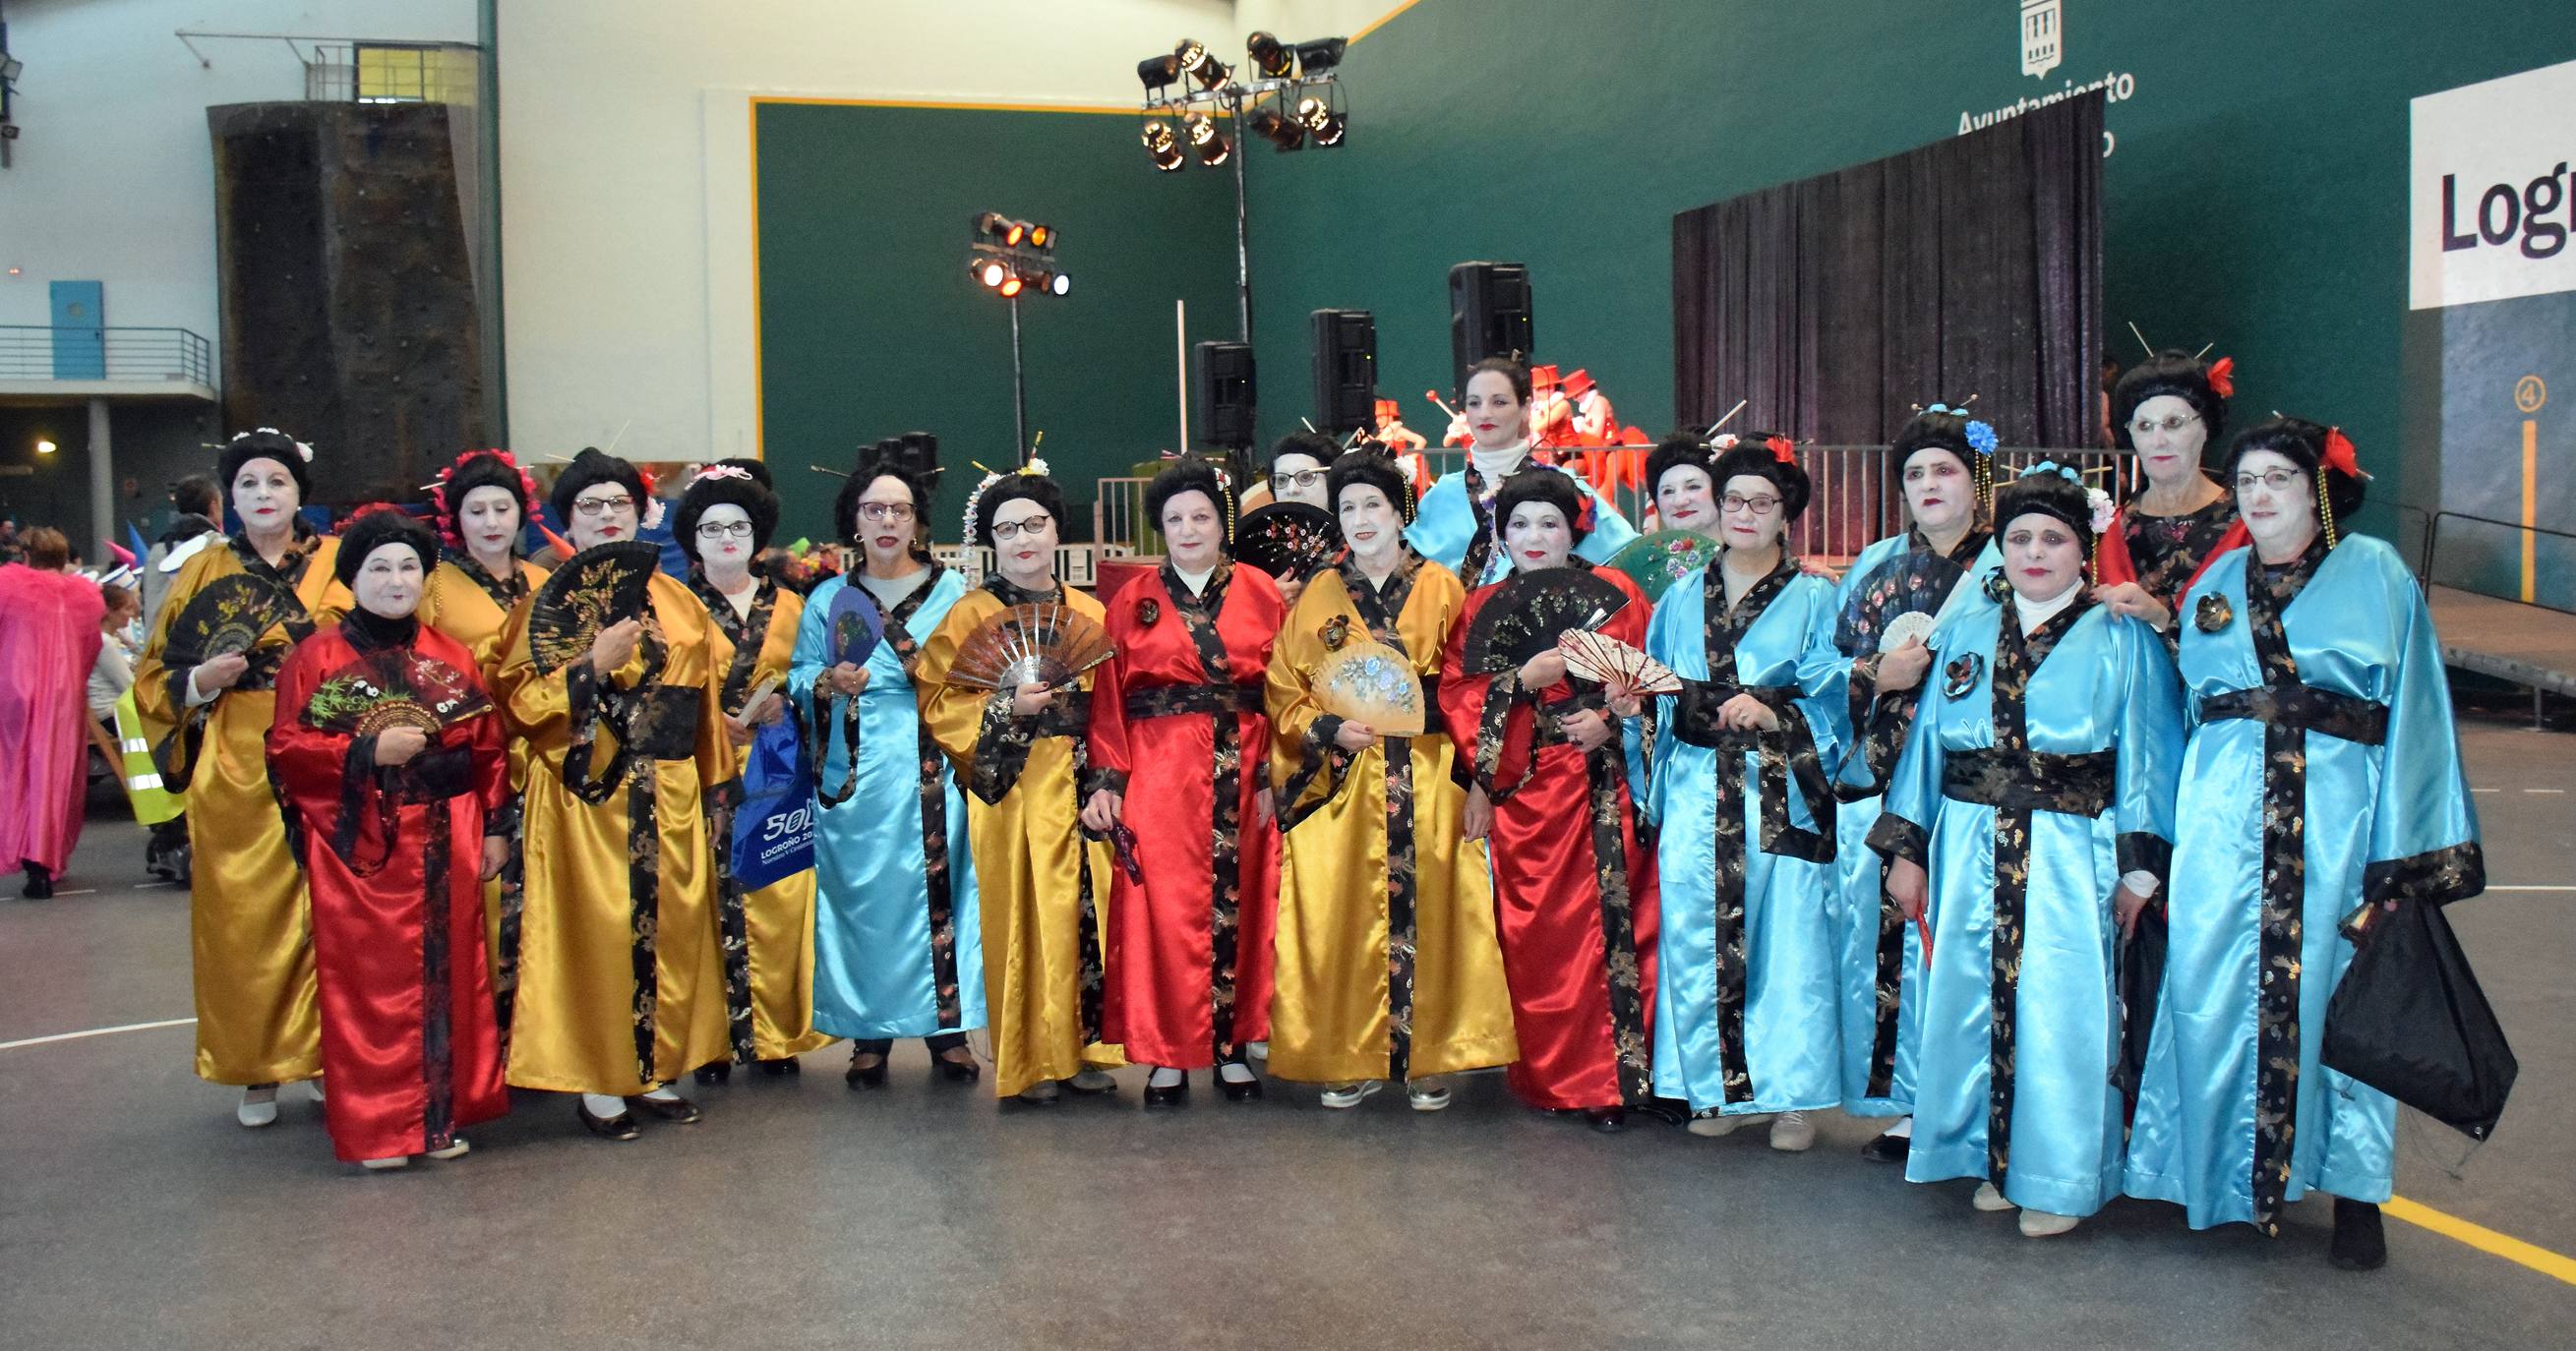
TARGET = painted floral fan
x,y
228,615
1045,643
1654,562
1598,657
856,625
1529,611
1366,681
595,588
396,687
1288,540
1916,583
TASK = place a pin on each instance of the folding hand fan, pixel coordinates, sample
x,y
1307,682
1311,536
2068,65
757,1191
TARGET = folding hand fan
x,y
1288,540
1037,644
1366,681
1528,612
1602,658
1654,562
593,589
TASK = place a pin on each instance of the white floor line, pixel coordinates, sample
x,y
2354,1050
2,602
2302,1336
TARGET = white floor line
x,y
79,891
95,1032
2531,888
2553,792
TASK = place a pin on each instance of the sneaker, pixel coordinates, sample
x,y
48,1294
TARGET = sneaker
x,y
456,1150
1349,1095
1427,1097
1792,1133
1988,1199
2042,1224
258,1106
1259,1050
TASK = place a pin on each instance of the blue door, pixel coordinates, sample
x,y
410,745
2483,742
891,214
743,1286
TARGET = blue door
x,y
80,330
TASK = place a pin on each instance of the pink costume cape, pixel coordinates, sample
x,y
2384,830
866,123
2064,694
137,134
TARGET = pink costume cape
x,y
49,639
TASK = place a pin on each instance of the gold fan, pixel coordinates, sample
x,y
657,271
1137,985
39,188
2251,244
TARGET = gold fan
x,y
1038,644
1597,656
1368,682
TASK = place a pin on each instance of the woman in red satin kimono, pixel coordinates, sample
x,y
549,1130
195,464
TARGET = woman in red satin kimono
x,y
1574,888
49,632
394,816
1181,742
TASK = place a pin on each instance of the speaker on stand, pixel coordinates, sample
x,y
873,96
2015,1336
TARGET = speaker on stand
x,y
1345,371
1489,315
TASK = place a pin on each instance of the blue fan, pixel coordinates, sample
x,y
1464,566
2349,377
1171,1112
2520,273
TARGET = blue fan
x,y
857,626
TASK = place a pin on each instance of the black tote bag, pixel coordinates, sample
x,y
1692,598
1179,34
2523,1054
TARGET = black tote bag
x,y
2410,1021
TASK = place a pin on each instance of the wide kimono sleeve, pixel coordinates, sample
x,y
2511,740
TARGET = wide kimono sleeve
x,y
1108,755
806,663
2150,751
2423,828
1306,761
1913,795
720,766
321,773
1492,718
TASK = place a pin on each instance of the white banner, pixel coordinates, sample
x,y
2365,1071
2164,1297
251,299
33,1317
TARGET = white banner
x,y
2490,210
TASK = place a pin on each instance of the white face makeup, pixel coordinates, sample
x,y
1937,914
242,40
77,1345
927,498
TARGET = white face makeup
x,y
725,540
1370,525
1752,513
2169,436
1537,536
1496,417
1298,478
1686,499
885,521
601,513
2277,500
1938,491
488,519
1194,531
2042,555
1024,544
389,582
265,496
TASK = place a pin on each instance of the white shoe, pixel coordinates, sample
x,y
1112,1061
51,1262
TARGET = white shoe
x,y
1792,1133
1716,1125
1349,1095
457,1150
258,1107
1259,1050
385,1165
1988,1199
1427,1097
2042,1224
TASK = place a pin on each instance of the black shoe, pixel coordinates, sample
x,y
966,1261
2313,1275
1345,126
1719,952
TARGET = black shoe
x,y
1177,1095
1607,1120
1246,1090
2360,1244
40,883
956,1071
864,1077
677,1111
1888,1148
618,1127
716,1072
1076,1087
786,1067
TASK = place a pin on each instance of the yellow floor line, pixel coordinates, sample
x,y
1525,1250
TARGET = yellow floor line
x,y
2483,1239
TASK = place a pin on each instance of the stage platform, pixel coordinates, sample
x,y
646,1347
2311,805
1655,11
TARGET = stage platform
x,y
2528,645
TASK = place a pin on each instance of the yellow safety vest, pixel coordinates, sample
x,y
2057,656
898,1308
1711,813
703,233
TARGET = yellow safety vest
x,y
153,804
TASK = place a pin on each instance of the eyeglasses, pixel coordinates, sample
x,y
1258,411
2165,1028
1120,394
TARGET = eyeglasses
x,y
2278,480
1003,530
722,529
886,511
1284,480
2169,426
593,506
1759,506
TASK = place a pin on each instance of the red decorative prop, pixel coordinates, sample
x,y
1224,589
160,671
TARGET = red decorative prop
x,y
2339,454
2222,377
1782,449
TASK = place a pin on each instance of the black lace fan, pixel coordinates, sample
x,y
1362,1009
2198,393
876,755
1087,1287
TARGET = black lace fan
x,y
396,687
1288,540
1530,611
594,589
227,615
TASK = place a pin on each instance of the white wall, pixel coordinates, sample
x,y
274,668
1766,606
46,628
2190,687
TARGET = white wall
x,y
625,176
112,178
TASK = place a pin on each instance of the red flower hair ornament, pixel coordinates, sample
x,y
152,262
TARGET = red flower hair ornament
x,y
1782,449
2222,377
2340,457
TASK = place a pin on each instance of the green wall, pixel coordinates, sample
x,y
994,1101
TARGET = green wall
x,y
870,326
2256,195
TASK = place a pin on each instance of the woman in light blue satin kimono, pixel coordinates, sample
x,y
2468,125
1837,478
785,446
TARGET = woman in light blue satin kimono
x,y
1943,460
1455,525
896,947
1745,1022
2037,790
2322,779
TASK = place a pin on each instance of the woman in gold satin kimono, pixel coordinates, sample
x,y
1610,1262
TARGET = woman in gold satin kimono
x,y
724,521
481,505
249,926
1044,888
621,987
1388,967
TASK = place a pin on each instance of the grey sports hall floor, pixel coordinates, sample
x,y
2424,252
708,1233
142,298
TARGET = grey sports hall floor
x,y
134,1213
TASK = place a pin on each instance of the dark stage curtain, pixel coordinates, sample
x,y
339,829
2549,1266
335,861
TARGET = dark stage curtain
x,y
1835,304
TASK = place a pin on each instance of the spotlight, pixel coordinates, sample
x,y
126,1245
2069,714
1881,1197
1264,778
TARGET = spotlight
x,y
994,224
1287,133
1211,148
1161,148
45,447
1158,72
1041,236
1060,284
1012,285
1201,64
1318,118
1013,232
990,271
1273,58
1320,55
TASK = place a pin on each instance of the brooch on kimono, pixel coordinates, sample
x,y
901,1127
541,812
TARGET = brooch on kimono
x,y
1998,587
1336,632
1962,674
2214,613
1148,612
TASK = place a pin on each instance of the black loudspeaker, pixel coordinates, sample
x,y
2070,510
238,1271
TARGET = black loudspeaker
x,y
1225,394
1345,371
1489,315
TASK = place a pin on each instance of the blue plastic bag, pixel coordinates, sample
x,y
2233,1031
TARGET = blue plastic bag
x,y
773,831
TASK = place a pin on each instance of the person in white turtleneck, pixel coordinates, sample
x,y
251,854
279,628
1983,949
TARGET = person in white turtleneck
x,y
1454,527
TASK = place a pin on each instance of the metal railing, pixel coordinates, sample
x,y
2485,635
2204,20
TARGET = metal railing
x,y
1075,564
2479,572
40,352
